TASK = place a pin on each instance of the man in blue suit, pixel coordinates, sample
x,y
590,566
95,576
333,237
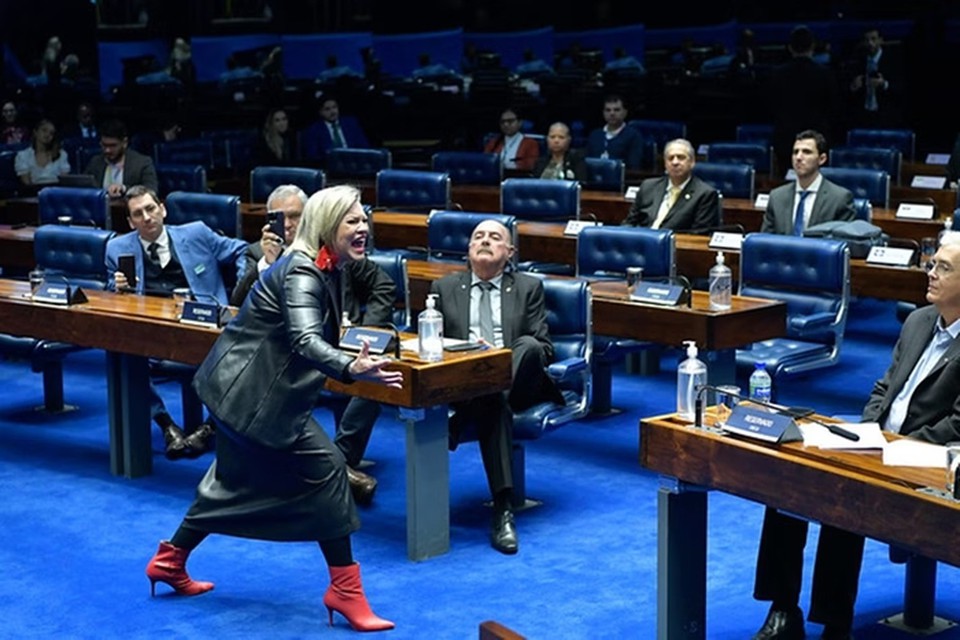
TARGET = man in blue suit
x,y
168,258
332,132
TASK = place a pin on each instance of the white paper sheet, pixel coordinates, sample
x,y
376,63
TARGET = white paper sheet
x,y
914,453
815,435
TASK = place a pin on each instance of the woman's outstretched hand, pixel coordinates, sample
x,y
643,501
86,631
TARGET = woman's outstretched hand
x,y
371,368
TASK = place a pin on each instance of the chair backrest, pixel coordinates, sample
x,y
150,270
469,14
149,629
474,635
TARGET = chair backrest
x,y
357,163
220,212
9,182
888,160
83,206
83,156
396,267
74,253
869,184
80,150
660,131
232,148
609,251
605,174
418,190
535,199
755,133
811,275
197,151
731,180
756,155
905,140
469,167
263,180
863,209
448,233
181,177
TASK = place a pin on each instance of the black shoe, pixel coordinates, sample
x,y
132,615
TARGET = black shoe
x,y
831,632
174,443
782,625
200,441
362,486
503,532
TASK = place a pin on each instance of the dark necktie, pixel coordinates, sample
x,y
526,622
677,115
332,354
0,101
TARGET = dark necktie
x,y
798,216
153,250
486,312
338,141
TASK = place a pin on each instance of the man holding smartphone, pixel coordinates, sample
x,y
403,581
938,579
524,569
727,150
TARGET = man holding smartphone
x,y
368,294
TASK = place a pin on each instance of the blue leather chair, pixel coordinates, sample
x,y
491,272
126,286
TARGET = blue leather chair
x,y
731,180
75,254
888,160
541,200
755,133
232,148
84,155
869,184
74,145
605,174
196,151
181,177
607,252
812,276
396,267
263,180
220,212
469,167
89,207
905,140
756,155
448,233
413,190
357,163
660,131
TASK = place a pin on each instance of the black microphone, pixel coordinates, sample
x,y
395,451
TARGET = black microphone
x,y
793,412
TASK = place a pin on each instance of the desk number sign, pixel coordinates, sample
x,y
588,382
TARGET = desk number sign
x,y
755,422
204,314
59,293
574,227
656,293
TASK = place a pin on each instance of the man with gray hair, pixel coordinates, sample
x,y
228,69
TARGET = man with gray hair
x,y
678,200
368,294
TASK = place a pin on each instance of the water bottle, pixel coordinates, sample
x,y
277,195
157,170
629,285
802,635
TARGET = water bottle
x,y
691,375
720,285
947,228
761,384
430,331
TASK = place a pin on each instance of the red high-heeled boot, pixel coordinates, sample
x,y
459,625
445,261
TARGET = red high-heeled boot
x,y
169,566
345,596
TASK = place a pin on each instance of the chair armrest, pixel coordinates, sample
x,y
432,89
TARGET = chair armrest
x,y
813,322
565,368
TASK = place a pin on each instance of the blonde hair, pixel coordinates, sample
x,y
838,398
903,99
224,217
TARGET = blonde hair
x,y
322,215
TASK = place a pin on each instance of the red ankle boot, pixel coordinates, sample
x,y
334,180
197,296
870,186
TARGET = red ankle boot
x,y
169,565
345,596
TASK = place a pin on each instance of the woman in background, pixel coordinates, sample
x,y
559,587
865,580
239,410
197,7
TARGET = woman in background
x,y
275,147
43,162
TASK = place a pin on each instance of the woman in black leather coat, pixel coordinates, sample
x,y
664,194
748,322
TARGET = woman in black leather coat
x,y
277,475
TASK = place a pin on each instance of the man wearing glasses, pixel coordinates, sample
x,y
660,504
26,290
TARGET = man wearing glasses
x,y
516,151
118,168
918,396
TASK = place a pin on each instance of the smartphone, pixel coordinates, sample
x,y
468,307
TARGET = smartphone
x,y
465,346
127,265
275,220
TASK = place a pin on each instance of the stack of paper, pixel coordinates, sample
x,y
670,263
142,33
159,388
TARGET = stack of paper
x,y
817,435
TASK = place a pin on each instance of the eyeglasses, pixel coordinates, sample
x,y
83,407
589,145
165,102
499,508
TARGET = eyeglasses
x,y
943,269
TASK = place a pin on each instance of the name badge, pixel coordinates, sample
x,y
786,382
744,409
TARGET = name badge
x,y
937,158
574,227
913,211
204,314
755,422
894,256
656,293
354,337
761,201
726,240
928,182
59,293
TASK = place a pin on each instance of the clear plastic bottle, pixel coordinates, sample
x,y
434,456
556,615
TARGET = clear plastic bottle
x,y
430,331
721,283
761,384
691,375
947,228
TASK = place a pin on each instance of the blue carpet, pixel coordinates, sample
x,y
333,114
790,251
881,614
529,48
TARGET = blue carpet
x,y
75,540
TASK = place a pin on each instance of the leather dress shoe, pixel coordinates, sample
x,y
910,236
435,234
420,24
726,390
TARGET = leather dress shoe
x,y
503,532
175,445
782,625
200,441
362,486
831,632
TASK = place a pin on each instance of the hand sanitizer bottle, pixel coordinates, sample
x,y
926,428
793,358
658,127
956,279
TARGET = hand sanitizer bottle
x,y
691,375
430,331
720,284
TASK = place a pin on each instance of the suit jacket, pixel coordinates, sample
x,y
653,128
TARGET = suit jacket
x,y
891,67
201,252
527,153
934,411
833,202
625,146
317,141
265,372
574,166
137,169
368,291
698,206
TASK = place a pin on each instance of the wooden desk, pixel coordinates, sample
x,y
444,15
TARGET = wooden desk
x,y
133,328
27,211
853,491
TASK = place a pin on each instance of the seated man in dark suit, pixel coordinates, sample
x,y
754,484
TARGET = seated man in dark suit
x,y
615,139
918,396
812,199
332,131
504,309
679,200
368,295
118,167
166,258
